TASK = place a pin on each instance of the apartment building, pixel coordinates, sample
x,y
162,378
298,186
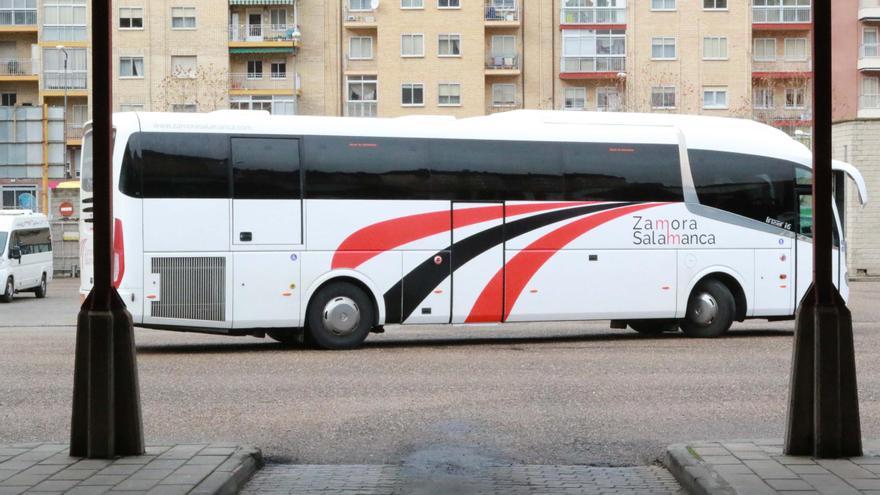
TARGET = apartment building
x,y
856,131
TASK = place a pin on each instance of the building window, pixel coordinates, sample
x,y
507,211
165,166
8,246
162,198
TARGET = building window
x,y
360,48
132,67
575,98
254,69
449,4
715,4
18,12
278,19
795,98
183,18
504,95
131,18
184,108
869,42
412,4
449,45
362,5
663,48
607,99
663,97
763,98
279,70
18,197
64,20
54,75
412,45
765,49
276,105
412,94
449,95
586,50
184,67
662,4
796,49
7,99
131,107
715,48
870,97
714,98
503,52
362,96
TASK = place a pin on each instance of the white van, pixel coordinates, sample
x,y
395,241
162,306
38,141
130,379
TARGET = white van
x,y
25,253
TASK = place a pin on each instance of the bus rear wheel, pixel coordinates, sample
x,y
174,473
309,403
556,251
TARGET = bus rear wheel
x,y
653,327
340,316
710,310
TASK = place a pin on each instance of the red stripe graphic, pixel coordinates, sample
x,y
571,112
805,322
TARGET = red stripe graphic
x,y
523,266
372,240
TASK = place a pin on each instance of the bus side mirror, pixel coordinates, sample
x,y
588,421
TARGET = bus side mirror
x,y
15,253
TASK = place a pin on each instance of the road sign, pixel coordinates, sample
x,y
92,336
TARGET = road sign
x,y
66,209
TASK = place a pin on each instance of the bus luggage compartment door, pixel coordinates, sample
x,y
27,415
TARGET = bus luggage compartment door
x,y
477,259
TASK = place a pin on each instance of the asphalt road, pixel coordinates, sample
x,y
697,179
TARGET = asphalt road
x,y
551,393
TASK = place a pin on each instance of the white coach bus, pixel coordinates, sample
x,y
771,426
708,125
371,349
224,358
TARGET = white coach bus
x,y
243,223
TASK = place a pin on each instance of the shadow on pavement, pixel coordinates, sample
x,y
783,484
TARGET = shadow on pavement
x,y
433,342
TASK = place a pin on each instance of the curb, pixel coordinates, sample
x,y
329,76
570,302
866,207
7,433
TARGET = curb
x,y
231,476
692,474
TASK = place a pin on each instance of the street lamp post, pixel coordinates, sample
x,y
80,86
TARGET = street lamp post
x,y
64,51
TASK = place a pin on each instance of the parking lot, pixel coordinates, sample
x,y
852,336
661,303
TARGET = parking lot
x,y
549,393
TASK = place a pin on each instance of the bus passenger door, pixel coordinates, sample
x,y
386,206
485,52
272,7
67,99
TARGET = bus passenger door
x,y
266,232
477,262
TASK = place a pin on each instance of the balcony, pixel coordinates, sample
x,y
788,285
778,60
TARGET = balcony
x,y
782,69
72,81
502,65
608,67
74,133
781,18
498,107
869,57
264,35
783,117
361,109
22,20
869,10
19,69
263,84
502,16
869,106
359,19
594,16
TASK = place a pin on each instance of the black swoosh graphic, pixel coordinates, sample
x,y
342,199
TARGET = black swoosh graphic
x,y
422,279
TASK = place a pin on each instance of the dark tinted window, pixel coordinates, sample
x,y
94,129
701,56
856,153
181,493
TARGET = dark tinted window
x,y
471,169
621,172
183,165
366,168
3,236
752,186
32,241
265,168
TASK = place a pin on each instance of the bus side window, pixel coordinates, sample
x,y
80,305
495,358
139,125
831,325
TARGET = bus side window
x,y
265,168
185,165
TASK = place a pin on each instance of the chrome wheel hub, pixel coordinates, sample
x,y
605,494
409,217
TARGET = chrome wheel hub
x,y
341,315
704,309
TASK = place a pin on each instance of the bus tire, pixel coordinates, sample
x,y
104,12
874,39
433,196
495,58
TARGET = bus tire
x,y
653,327
287,336
42,289
340,316
710,310
8,291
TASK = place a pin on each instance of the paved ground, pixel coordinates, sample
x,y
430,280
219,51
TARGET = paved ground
x,y
759,468
164,470
548,394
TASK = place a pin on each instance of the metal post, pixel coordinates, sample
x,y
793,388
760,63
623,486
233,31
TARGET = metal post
x,y
106,417
66,83
44,183
823,411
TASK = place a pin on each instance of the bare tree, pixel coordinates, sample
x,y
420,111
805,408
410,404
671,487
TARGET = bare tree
x,y
206,87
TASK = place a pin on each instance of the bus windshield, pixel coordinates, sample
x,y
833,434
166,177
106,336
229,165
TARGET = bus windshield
x,y
86,165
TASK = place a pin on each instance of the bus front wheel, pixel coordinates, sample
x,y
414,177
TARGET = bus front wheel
x,y
8,291
710,310
340,316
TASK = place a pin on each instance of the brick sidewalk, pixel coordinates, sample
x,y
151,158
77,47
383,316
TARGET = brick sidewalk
x,y
758,467
286,479
164,470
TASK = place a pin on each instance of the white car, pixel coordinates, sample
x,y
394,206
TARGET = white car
x,y
25,253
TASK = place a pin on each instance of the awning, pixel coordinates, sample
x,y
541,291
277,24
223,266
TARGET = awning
x,y
274,49
261,2
70,184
